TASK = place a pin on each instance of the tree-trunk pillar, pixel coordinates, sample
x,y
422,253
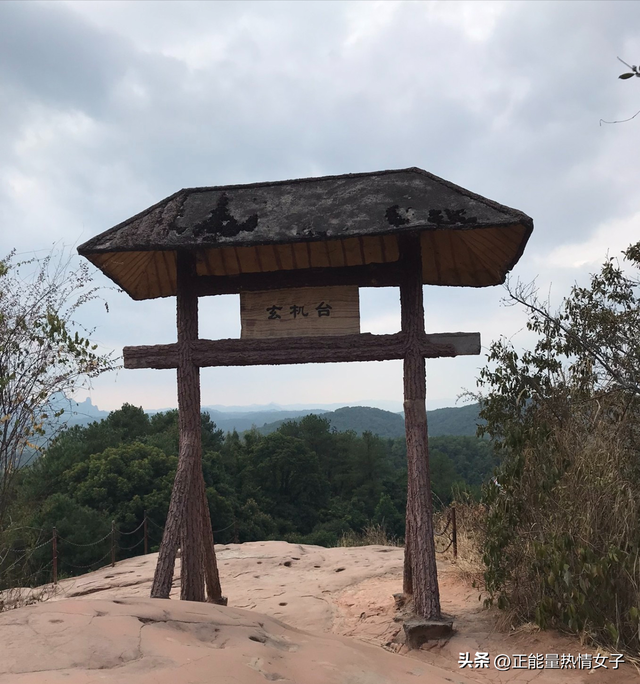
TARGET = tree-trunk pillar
x,y
184,524
407,575
212,577
421,574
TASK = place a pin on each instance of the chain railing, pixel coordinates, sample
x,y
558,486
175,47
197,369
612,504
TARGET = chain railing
x,y
151,532
449,532
58,544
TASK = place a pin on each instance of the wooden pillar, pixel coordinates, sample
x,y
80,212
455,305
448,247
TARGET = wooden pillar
x,y
420,577
212,578
184,525
407,573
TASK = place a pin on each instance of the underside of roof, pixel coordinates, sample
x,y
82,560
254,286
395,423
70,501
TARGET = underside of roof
x,y
316,223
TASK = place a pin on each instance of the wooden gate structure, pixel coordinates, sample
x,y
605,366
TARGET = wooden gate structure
x,y
403,228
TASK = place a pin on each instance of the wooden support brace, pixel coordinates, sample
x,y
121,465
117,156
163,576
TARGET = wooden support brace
x,y
188,523
293,350
371,275
420,572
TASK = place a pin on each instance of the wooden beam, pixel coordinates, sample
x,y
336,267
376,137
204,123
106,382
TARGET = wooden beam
x,y
371,275
463,344
420,572
184,519
294,350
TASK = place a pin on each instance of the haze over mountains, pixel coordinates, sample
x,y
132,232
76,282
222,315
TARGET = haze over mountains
x,y
458,421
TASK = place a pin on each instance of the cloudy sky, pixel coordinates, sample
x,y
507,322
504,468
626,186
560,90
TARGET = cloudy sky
x,y
106,108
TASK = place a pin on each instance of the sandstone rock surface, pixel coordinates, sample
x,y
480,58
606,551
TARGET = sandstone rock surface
x,y
296,613
144,641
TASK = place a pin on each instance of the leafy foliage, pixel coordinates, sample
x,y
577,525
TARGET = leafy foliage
x,y
457,421
630,74
562,542
304,483
43,353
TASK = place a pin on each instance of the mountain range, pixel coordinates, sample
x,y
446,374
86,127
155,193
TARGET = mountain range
x,y
458,421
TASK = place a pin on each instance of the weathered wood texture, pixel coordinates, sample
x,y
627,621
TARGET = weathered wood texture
x,y
211,576
371,275
300,312
422,576
363,347
278,230
298,255
185,520
407,576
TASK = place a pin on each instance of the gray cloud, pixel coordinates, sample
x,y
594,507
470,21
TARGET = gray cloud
x,y
108,107
49,54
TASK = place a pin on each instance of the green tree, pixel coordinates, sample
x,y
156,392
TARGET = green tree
x,y
562,540
387,516
75,445
44,354
84,541
117,481
286,477
163,432
443,477
254,524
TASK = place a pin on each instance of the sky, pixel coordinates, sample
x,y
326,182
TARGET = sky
x,y
108,107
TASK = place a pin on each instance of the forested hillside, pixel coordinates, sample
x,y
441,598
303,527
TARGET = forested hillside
x,y
228,421
456,421
304,482
358,419
453,420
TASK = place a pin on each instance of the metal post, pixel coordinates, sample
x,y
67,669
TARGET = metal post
x,y
55,556
454,532
113,543
146,535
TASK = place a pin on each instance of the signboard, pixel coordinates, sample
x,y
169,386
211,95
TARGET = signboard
x,y
300,312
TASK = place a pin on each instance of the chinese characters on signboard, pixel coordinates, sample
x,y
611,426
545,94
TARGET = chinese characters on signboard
x,y
310,311
294,310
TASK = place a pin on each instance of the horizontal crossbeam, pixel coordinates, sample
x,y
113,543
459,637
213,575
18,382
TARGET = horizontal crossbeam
x,y
293,350
371,275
